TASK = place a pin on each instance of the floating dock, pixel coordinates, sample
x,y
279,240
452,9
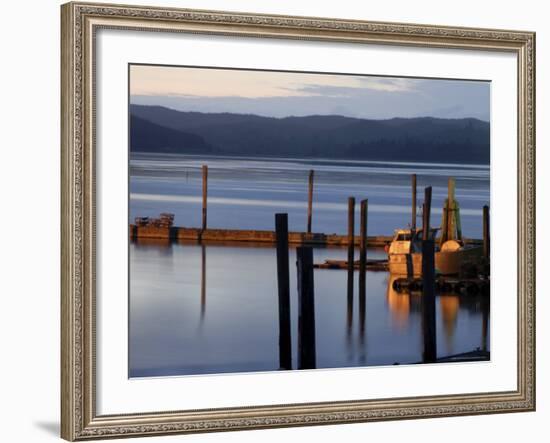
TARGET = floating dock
x,y
371,265
464,286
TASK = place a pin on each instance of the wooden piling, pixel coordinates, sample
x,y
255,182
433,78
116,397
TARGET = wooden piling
x,y
363,238
413,203
486,237
351,238
410,266
428,302
424,230
426,210
283,286
351,258
306,308
204,194
310,201
428,284
363,265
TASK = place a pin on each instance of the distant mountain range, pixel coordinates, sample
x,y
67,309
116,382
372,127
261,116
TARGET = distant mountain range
x,y
163,130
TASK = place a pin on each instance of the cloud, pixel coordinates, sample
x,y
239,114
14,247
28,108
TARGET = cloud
x,y
282,94
328,91
207,82
363,87
390,84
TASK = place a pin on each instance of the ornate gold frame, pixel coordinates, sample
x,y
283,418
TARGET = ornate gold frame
x,y
79,23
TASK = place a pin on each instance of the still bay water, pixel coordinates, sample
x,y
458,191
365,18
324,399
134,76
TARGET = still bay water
x,y
206,309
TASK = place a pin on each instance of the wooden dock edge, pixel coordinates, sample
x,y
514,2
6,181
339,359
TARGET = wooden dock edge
x,y
237,235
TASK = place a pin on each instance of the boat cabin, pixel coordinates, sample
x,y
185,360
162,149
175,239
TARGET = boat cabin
x,y
407,241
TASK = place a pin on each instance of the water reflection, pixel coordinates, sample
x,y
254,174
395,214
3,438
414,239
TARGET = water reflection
x,y
455,313
449,305
350,286
211,308
203,282
485,324
160,245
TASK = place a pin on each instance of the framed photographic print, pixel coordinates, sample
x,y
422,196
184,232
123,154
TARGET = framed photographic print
x,y
281,221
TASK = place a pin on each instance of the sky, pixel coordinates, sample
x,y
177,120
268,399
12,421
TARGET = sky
x,y
283,94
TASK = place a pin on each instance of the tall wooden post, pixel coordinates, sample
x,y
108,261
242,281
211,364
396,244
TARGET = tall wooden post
x,y
428,284
204,194
427,208
363,265
310,201
351,257
413,204
306,309
486,236
283,286
351,236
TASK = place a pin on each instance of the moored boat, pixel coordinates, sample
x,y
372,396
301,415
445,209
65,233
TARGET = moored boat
x,y
451,254
405,254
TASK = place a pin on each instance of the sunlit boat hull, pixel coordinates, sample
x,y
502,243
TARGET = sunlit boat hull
x,y
446,262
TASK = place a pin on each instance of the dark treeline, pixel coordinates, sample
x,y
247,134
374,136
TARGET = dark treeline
x,y
149,137
159,129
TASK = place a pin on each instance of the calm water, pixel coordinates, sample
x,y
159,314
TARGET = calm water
x,y
213,309
245,193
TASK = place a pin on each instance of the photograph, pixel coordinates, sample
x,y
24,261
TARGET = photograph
x,y
272,219
286,220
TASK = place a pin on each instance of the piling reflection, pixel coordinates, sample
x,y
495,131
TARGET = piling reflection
x,y
362,309
203,282
349,311
363,270
362,318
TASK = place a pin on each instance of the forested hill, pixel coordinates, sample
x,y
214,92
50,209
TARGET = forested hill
x,y
159,129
